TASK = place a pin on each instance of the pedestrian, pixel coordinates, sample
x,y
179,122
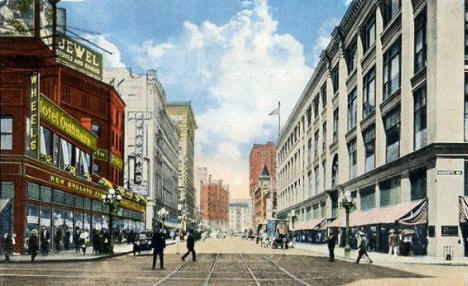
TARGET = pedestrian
x,y
362,248
76,238
33,244
190,247
393,243
57,240
8,246
66,241
45,240
158,243
84,238
331,242
95,239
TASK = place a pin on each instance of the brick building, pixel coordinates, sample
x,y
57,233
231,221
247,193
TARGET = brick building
x,y
214,204
262,164
61,131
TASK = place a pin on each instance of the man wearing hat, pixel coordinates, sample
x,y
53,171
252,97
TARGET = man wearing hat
x,y
393,243
362,247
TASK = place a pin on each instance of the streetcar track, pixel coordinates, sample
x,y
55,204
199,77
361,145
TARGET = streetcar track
x,y
248,268
172,273
211,270
287,272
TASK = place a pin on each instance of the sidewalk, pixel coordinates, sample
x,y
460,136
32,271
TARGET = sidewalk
x,y
71,256
382,258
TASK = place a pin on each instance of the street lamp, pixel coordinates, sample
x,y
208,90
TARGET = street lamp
x,y
347,203
162,214
112,200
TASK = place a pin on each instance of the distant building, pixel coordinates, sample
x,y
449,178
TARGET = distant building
x,y
240,215
181,113
214,203
262,162
201,177
151,142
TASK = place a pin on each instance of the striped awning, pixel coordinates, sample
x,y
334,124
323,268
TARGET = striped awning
x,y
386,215
463,205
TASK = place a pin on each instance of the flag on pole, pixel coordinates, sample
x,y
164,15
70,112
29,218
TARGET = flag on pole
x,y
275,112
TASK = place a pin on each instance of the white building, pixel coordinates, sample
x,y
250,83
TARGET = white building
x,y
240,215
151,142
384,117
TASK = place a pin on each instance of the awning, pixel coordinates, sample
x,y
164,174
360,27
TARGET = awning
x,y
463,205
308,225
385,215
417,216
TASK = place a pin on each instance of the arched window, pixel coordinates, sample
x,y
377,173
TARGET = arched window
x,y
334,171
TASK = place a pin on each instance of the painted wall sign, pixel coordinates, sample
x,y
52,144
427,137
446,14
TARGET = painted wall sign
x,y
101,155
34,116
449,172
116,162
79,57
140,117
67,124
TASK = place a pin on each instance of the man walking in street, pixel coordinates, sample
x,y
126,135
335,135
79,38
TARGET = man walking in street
x,y
158,243
331,242
33,244
190,247
362,248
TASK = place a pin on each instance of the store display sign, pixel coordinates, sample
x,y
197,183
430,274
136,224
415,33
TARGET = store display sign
x,y
116,162
79,57
101,155
140,117
34,116
67,124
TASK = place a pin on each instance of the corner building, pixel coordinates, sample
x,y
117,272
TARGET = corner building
x,y
384,116
214,204
62,130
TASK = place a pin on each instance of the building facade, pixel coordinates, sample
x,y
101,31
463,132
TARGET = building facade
x,y
151,142
262,162
181,113
201,177
62,131
240,215
214,204
384,117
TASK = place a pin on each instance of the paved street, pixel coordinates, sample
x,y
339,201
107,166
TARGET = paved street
x,y
229,262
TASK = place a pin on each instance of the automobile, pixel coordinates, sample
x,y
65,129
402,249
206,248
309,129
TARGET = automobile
x,y
142,243
221,235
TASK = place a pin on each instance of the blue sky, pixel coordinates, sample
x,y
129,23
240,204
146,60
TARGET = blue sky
x,y
234,59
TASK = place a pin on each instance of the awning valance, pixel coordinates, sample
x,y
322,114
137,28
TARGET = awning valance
x,y
385,215
463,205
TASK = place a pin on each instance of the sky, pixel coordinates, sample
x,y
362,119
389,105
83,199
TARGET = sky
x,y
233,59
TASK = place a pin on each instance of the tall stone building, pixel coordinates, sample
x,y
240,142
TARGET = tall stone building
x,y
151,142
384,120
240,215
214,203
201,177
181,113
262,162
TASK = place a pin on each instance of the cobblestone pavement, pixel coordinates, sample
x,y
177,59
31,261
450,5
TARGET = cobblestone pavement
x,y
228,262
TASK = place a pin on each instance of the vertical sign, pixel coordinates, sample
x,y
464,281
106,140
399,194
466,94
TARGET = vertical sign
x,y
34,115
139,139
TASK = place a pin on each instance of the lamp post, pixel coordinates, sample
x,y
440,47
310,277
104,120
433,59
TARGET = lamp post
x,y
112,200
347,203
292,214
162,214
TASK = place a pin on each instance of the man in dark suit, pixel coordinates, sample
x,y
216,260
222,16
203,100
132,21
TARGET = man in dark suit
x,y
158,243
331,242
44,240
190,247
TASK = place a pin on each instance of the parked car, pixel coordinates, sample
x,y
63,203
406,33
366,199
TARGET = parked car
x,y
142,243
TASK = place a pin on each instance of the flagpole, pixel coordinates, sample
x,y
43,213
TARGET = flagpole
x,y
279,118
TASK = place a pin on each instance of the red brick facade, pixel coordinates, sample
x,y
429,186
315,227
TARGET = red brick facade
x,y
214,202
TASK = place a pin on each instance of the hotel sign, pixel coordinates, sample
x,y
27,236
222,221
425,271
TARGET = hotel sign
x,y
116,162
67,124
34,115
79,57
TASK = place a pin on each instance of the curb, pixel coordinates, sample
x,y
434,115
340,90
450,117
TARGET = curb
x,y
384,263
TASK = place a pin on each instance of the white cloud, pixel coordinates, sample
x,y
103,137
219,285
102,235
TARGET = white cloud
x,y
110,60
246,3
241,69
